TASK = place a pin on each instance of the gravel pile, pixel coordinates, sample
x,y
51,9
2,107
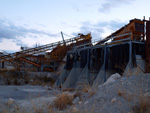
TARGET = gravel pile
x,y
122,96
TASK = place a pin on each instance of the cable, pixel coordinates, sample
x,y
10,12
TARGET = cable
x,y
68,35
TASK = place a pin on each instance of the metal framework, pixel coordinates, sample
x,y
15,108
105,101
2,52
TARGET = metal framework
x,y
83,78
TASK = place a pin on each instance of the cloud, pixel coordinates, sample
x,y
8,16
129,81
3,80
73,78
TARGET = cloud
x,y
9,30
110,4
9,45
100,29
75,7
87,27
13,36
113,24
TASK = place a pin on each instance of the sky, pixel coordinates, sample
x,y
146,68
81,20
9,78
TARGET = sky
x,y
37,22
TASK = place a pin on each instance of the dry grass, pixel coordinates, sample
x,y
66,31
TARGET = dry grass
x,y
129,97
86,88
51,109
91,93
89,90
39,110
68,89
143,106
63,100
142,103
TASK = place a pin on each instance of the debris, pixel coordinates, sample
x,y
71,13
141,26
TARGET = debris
x,y
113,100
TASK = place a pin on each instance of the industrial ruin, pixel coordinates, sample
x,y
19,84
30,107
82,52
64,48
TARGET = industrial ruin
x,y
88,62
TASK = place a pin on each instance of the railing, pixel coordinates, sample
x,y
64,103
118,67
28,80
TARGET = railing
x,y
35,50
102,41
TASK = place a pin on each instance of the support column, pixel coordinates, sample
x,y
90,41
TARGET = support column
x,y
3,64
130,53
105,63
148,46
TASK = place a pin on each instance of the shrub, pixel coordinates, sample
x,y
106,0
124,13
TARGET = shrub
x,y
63,100
143,106
91,93
86,88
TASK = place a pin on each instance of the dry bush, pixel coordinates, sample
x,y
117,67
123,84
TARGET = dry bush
x,y
129,97
51,109
143,106
86,88
11,107
39,110
68,89
91,93
63,100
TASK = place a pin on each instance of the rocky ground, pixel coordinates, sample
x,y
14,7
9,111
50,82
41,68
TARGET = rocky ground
x,y
125,95
25,99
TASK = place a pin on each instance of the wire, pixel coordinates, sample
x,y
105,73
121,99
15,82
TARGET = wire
x,y
67,35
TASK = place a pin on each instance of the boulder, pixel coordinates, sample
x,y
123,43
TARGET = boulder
x,y
112,78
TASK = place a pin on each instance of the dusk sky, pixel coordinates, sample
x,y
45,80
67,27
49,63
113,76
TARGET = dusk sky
x,y
27,22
